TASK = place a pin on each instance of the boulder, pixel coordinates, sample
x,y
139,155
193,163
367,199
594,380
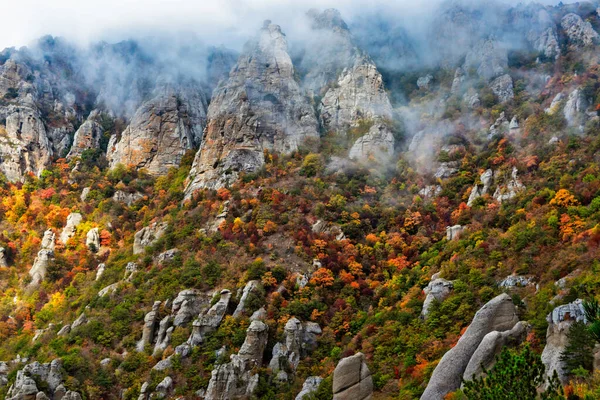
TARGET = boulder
x,y
513,281
491,345
454,232
3,262
166,256
163,388
150,321
436,290
73,220
352,379
81,320
499,314
310,385
127,197
187,305
559,323
92,239
163,337
251,286
100,270
148,236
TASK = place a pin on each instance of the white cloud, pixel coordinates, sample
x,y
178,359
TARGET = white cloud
x,y
227,22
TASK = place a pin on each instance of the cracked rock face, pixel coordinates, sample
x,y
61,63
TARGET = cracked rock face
x,y
352,379
260,107
499,314
489,58
87,136
376,145
161,131
559,323
579,32
437,289
503,88
148,236
236,378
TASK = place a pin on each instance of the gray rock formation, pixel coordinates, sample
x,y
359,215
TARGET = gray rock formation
x,y
187,305
251,286
3,262
579,32
358,95
24,144
161,130
209,321
310,385
100,270
457,82
286,355
163,388
430,191
424,81
3,373
168,255
454,232
575,108
352,379
489,58
130,270
150,321
92,239
377,145
559,323
491,345
513,281
87,136
163,337
556,102
73,220
479,190
508,190
148,236
40,264
436,290
328,228
49,374
499,314
260,107
126,197
237,377
503,88
446,170
81,320
64,331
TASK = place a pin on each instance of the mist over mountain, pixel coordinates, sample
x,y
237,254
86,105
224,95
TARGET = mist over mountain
x,y
300,200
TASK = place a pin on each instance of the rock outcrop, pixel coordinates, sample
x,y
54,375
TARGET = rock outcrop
x,y
479,190
259,107
509,190
579,32
575,108
161,131
209,321
92,239
503,88
73,221
251,286
377,145
499,314
491,345
352,379
40,264
454,232
148,236
237,377
187,305
310,385
126,197
437,290
150,321
559,323
88,135
48,376
299,338
489,58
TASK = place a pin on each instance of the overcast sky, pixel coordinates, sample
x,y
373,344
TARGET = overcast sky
x,y
227,22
